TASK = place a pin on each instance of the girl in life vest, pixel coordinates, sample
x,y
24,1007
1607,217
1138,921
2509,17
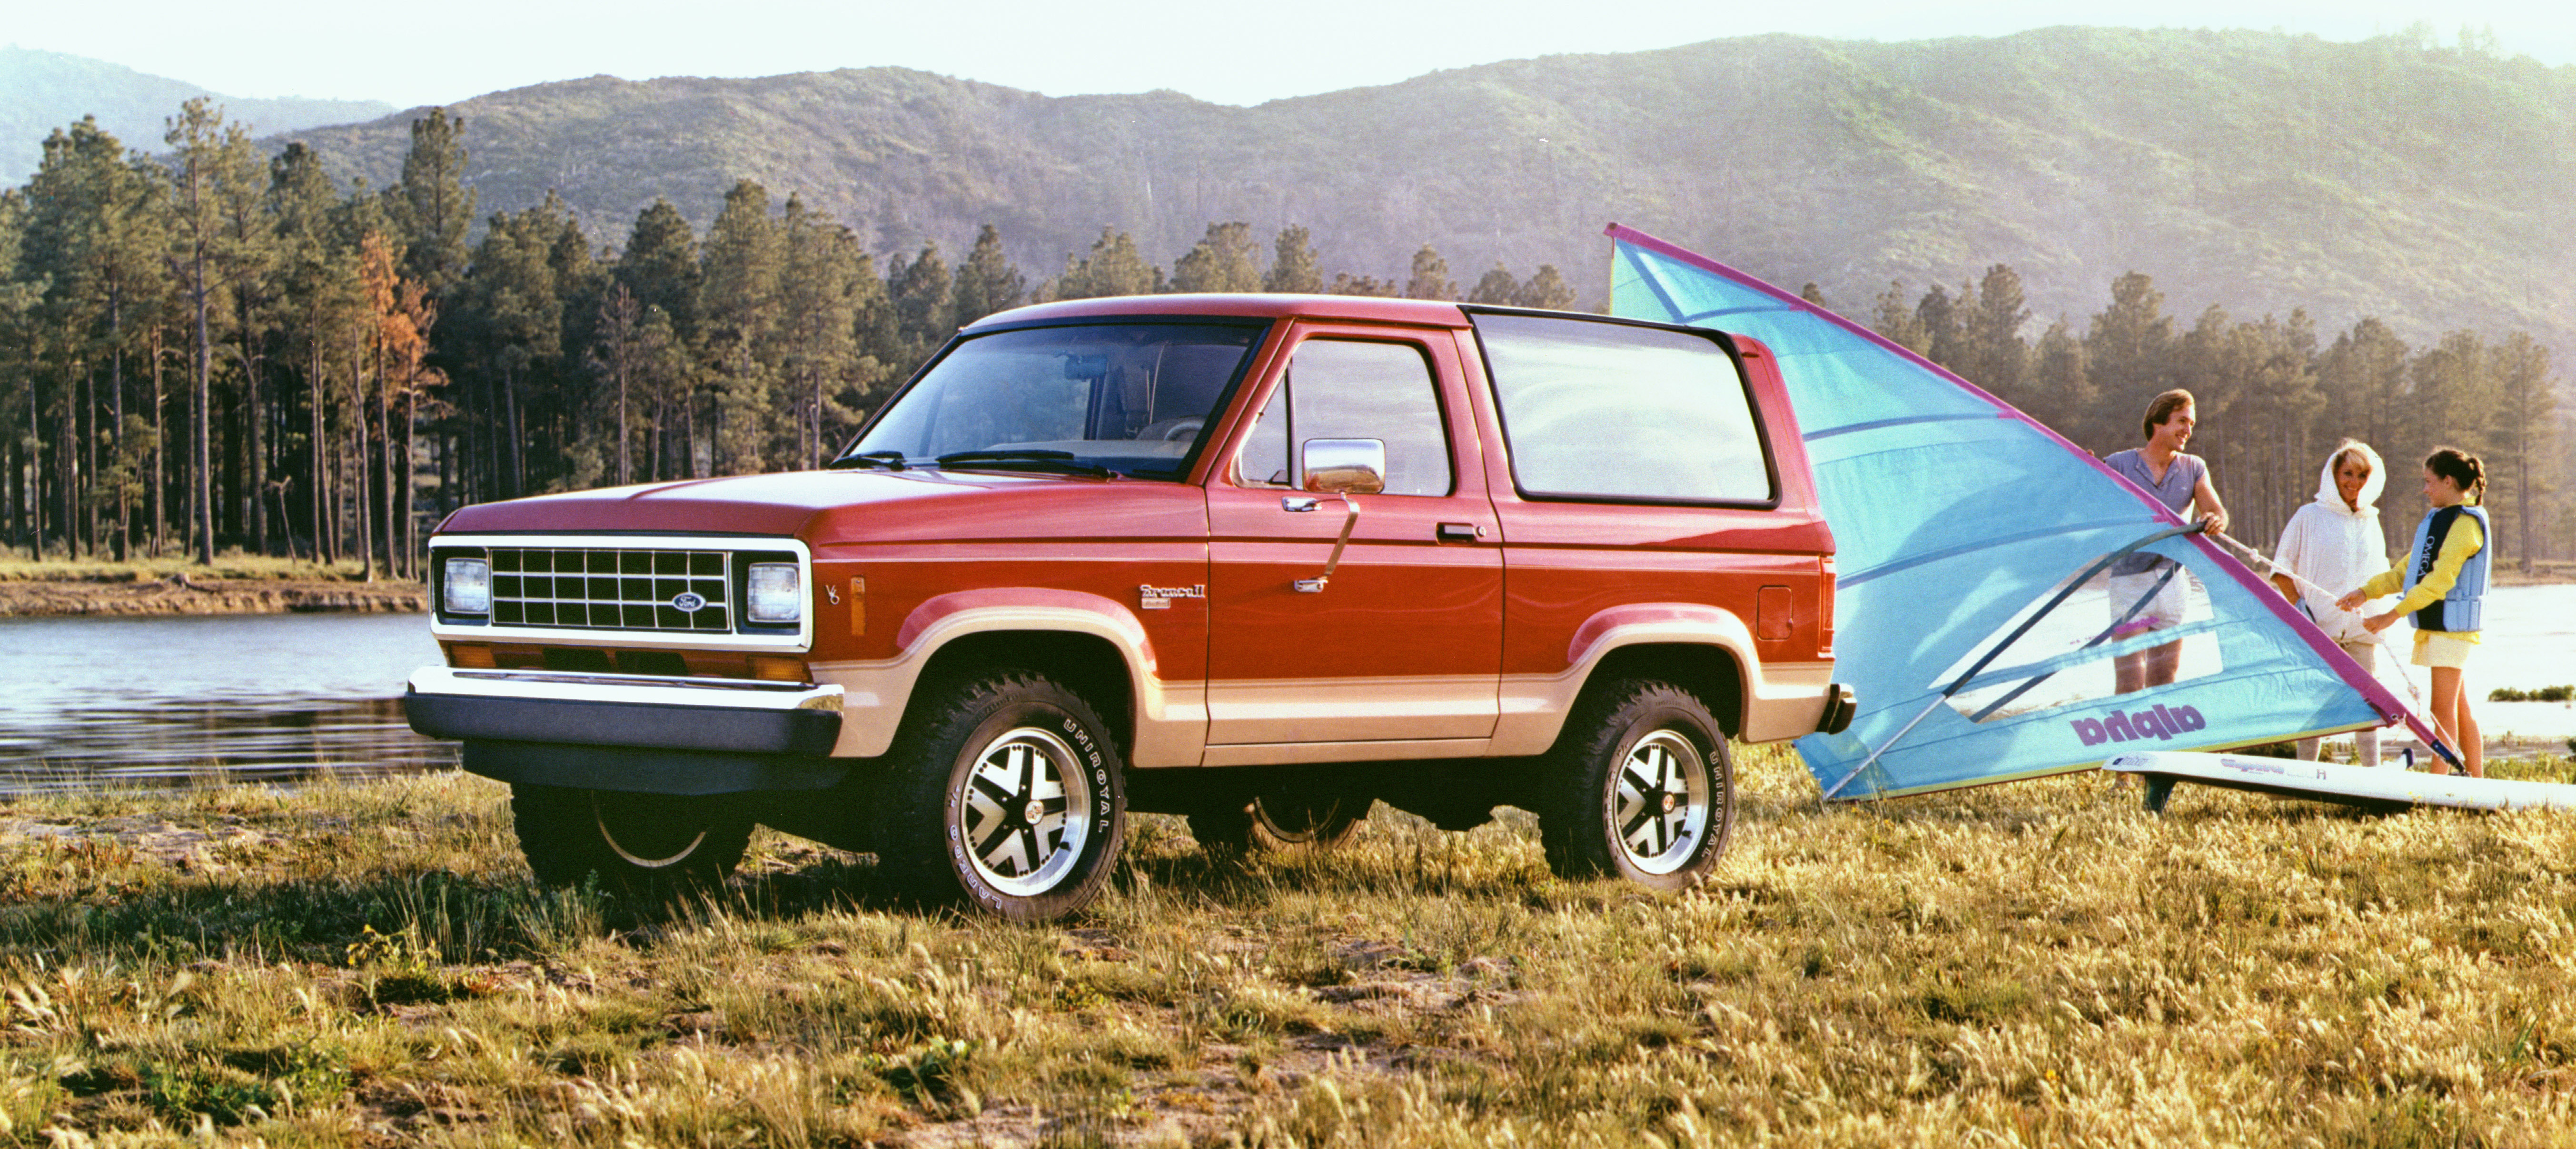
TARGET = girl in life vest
x,y
2445,580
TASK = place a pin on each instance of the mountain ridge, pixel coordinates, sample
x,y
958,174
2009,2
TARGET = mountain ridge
x,y
41,91
2258,171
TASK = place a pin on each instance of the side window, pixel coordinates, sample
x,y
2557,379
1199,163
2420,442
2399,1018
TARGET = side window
x,y
1611,411
1350,389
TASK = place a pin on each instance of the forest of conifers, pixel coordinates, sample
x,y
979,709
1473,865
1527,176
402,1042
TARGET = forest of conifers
x,y
208,347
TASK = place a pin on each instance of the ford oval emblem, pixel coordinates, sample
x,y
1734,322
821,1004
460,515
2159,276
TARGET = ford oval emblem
x,y
688,602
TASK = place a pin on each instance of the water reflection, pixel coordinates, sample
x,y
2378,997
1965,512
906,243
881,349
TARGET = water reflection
x,y
175,701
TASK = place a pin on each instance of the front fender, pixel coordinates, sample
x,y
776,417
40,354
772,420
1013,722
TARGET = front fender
x,y
1170,719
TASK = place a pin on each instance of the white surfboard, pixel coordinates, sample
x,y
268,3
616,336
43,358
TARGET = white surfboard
x,y
2375,786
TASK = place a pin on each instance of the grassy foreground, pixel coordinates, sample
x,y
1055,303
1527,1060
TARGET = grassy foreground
x,y
2029,964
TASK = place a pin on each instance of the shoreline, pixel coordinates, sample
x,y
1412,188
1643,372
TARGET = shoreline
x,y
185,594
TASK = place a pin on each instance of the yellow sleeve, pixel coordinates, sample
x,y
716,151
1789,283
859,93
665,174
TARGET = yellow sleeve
x,y
2464,540
2385,583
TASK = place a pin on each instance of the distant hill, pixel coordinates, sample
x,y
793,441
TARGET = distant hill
x,y
42,91
2432,187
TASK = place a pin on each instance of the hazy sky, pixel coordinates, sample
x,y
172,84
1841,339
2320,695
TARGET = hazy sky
x,y
441,52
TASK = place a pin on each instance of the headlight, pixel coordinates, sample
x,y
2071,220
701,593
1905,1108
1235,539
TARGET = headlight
x,y
468,586
777,593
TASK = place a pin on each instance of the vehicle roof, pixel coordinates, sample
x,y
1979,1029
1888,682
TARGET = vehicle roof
x,y
1419,312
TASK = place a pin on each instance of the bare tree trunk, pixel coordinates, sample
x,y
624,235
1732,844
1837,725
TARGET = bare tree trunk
x,y
385,445
320,496
86,481
35,475
689,437
67,460
202,431
160,456
409,519
517,444
360,471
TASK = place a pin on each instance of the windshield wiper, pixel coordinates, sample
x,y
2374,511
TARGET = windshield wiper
x,y
890,460
1034,458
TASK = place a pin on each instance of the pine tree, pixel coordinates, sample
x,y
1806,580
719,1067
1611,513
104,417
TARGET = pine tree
x,y
2061,393
923,295
316,275
1293,265
1499,287
1939,315
660,265
1997,358
206,153
514,317
1546,290
93,249
1896,321
818,297
738,276
1223,261
2526,412
987,282
1113,268
432,209
2130,349
250,285
1430,278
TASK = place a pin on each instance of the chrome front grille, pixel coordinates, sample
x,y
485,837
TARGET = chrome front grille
x,y
611,589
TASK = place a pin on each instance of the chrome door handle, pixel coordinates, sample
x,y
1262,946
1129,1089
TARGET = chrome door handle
x,y
1299,502
1316,584
1459,532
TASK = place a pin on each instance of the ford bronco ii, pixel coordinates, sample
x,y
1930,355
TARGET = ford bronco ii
x,y
1256,560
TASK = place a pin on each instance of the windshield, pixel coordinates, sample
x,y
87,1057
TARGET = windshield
x,y
1129,398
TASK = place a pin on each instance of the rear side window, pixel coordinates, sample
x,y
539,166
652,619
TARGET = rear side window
x,y
1615,412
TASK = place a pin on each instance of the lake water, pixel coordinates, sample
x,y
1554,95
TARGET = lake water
x,y
158,701
2529,642
85,701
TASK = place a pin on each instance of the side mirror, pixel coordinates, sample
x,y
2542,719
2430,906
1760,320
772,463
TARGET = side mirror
x,y
1344,466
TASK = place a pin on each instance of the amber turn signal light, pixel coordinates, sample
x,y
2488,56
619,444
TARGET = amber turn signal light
x,y
773,668
473,654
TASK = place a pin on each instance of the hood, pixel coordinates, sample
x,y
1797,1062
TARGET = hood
x,y
2332,500
832,507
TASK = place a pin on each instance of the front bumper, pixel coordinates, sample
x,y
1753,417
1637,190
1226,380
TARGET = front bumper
x,y
632,732
726,715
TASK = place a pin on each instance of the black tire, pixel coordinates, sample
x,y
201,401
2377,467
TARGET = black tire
x,y
1639,786
651,844
1007,794
1274,813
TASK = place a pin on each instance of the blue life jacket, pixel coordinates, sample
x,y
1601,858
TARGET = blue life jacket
x,y
2458,610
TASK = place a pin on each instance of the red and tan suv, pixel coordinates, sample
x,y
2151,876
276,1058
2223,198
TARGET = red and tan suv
x,y
1259,560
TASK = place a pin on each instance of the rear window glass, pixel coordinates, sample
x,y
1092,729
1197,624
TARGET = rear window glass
x,y
1616,412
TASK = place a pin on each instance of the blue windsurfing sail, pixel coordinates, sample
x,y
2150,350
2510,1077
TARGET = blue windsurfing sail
x,y
2003,597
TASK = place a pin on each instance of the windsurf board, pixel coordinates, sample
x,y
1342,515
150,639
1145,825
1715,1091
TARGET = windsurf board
x,y
2384,787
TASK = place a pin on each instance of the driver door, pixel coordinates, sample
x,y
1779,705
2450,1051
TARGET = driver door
x,y
1399,655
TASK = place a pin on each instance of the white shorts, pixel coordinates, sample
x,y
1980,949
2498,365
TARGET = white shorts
x,y
2442,648
2163,610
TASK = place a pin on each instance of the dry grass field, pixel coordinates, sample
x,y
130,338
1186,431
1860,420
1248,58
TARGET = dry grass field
x,y
2030,964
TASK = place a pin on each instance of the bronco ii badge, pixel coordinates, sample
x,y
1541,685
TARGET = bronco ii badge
x,y
1160,597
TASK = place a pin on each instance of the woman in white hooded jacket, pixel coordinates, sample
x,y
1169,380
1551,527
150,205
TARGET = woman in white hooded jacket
x,y
2335,542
